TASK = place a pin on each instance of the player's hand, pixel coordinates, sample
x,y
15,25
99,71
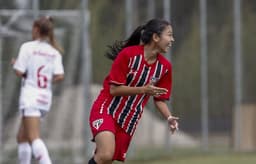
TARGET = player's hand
x,y
13,60
152,90
173,123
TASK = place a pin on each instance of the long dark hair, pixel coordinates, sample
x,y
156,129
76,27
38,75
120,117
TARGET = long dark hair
x,y
46,29
142,33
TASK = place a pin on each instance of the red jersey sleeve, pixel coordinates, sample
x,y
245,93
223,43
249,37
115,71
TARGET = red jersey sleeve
x,y
165,82
119,69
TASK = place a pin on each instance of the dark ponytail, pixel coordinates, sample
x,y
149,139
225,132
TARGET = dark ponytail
x,y
134,39
142,34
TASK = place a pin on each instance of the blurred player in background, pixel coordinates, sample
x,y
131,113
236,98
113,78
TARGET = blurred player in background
x,y
39,64
139,70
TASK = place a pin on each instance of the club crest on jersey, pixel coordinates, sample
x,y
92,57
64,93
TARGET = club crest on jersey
x,y
97,123
154,80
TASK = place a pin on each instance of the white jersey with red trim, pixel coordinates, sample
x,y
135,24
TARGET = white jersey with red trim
x,y
39,61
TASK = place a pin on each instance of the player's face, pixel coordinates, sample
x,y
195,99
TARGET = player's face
x,y
166,39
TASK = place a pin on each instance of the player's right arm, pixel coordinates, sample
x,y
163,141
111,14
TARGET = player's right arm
x,y
19,64
17,72
20,74
123,90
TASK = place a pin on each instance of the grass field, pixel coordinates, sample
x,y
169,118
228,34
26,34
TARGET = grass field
x,y
203,159
192,156
153,156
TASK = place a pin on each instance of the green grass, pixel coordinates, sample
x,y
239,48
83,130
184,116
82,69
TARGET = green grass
x,y
233,158
160,156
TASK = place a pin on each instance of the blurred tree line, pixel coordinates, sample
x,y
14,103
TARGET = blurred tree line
x,y
107,24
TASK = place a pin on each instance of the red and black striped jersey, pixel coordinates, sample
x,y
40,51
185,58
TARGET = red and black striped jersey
x,y
131,69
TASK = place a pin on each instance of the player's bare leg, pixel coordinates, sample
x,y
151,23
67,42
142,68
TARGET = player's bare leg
x,y
32,130
105,145
24,148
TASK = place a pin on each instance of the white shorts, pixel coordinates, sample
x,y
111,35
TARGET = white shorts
x,y
31,112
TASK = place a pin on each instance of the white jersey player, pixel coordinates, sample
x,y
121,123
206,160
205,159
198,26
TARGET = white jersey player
x,y
39,63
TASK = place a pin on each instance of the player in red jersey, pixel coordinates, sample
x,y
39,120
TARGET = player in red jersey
x,y
139,71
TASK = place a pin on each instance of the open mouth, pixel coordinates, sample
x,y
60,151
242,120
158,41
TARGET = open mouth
x,y
169,45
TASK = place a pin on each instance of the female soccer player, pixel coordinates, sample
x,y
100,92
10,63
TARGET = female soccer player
x,y
139,71
39,63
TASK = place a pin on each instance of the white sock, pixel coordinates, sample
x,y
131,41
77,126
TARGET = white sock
x,y
40,152
24,153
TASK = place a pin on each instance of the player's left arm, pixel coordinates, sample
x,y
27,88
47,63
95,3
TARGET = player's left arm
x,y
58,78
58,70
164,110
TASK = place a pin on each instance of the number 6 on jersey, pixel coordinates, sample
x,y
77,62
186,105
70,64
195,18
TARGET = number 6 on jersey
x,y
41,79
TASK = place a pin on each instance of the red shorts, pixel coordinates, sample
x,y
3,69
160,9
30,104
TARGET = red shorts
x,y
104,122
